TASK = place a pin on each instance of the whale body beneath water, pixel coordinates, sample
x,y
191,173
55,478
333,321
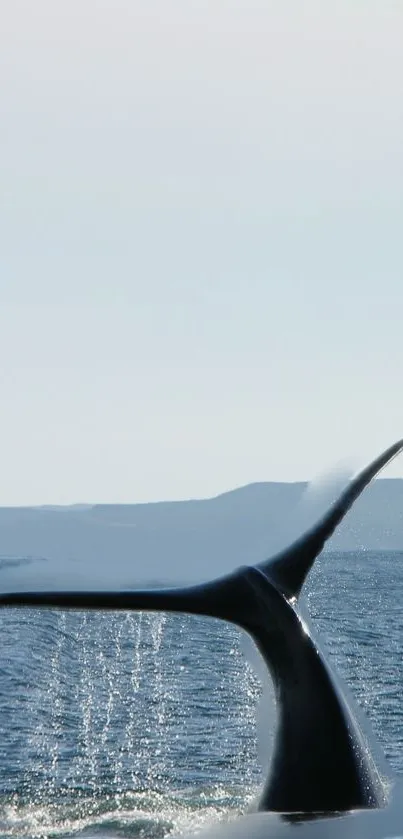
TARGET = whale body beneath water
x,y
322,765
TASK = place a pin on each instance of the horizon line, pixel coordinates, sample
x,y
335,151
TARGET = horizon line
x,y
86,505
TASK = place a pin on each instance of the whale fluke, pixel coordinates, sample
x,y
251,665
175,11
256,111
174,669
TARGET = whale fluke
x,y
321,761
290,567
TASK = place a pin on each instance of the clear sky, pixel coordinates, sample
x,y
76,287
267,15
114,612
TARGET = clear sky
x,y
201,258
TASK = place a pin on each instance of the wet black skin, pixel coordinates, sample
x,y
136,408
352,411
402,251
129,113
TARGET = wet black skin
x,y
321,761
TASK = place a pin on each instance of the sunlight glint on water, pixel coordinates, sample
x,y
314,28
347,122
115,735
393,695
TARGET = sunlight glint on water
x,y
145,723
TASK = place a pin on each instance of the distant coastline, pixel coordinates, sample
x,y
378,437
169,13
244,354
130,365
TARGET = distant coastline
x,y
243,525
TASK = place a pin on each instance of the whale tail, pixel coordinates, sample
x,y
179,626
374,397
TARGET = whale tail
x,y
287,570
290,568
321,761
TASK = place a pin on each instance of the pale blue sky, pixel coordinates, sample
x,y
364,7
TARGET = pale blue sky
x,y
201,268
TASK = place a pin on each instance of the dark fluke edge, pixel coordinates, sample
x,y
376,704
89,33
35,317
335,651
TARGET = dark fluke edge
x,y
321,761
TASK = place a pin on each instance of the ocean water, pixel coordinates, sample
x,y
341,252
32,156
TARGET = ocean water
x,y
145,724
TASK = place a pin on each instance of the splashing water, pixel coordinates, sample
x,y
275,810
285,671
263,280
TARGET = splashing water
x,y
124,723
143,725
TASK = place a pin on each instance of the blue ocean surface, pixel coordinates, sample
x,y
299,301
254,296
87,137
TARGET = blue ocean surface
x,y
127,724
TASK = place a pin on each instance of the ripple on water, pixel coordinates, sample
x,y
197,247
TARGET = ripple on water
x,y
144,725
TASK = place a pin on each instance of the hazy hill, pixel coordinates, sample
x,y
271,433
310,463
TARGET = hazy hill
x,y
125,544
